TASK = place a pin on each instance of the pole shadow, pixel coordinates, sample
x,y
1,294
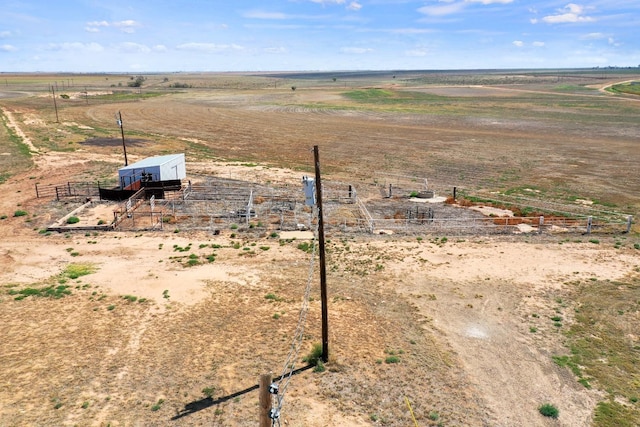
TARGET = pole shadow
x,y
207,402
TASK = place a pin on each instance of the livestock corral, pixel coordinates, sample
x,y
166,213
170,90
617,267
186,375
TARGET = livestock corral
x,y
404,205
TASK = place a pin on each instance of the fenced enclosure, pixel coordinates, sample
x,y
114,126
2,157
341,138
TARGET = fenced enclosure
x,y
395,204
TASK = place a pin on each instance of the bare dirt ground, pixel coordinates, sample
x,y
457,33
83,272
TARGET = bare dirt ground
x,y
444,323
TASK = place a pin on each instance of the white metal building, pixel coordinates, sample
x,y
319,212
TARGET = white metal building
x,y
160,168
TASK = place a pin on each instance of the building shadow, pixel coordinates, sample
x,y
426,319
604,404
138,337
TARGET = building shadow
x,y
207,402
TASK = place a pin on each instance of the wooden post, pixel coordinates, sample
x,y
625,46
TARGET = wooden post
x,y
454,192
55,105
124,146
265,400
323,267
589,224
629,221
540,224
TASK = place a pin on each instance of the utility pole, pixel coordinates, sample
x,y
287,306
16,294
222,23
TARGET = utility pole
x,y
55,105
124,146
323,267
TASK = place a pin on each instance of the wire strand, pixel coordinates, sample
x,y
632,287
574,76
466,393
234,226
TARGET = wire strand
x,y
296,343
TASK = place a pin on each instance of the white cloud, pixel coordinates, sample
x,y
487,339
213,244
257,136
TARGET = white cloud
x,y
5,34
7,48
98,24
323,2
160,48
490,1
408,31
454,6
518,43
442,10
76,47
571,13
209,47
538,44
130,47
354,5
356,50
275,50
259,14
128,26
594,36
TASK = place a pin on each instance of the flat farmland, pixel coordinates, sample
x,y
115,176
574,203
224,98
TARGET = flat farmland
x,y
163,328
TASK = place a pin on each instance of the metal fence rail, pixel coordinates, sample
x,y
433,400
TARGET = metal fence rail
x,y
68,190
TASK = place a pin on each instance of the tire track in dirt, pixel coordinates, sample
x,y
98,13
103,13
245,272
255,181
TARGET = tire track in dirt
x,y
13,124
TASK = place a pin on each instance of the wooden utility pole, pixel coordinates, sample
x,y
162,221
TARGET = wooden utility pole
x,y
323,266
55,105
265,401
124,146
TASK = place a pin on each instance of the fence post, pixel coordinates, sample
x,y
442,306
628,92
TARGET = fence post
x,y
629,221
37,194
265,400
540,224
589,224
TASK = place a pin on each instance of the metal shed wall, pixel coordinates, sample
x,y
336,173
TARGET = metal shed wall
x,y
160,168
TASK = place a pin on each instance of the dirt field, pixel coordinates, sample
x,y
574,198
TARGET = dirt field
x,y
463,328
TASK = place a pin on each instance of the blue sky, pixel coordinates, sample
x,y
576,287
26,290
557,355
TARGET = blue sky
x,y
268,35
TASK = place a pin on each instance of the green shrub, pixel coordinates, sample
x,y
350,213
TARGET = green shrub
x,y
158,405
549,410
20,213
73,271
73,220
208,391
272,297
392,359
315,355
319,366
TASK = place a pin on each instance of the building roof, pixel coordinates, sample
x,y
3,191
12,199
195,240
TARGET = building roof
x,y
153,161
